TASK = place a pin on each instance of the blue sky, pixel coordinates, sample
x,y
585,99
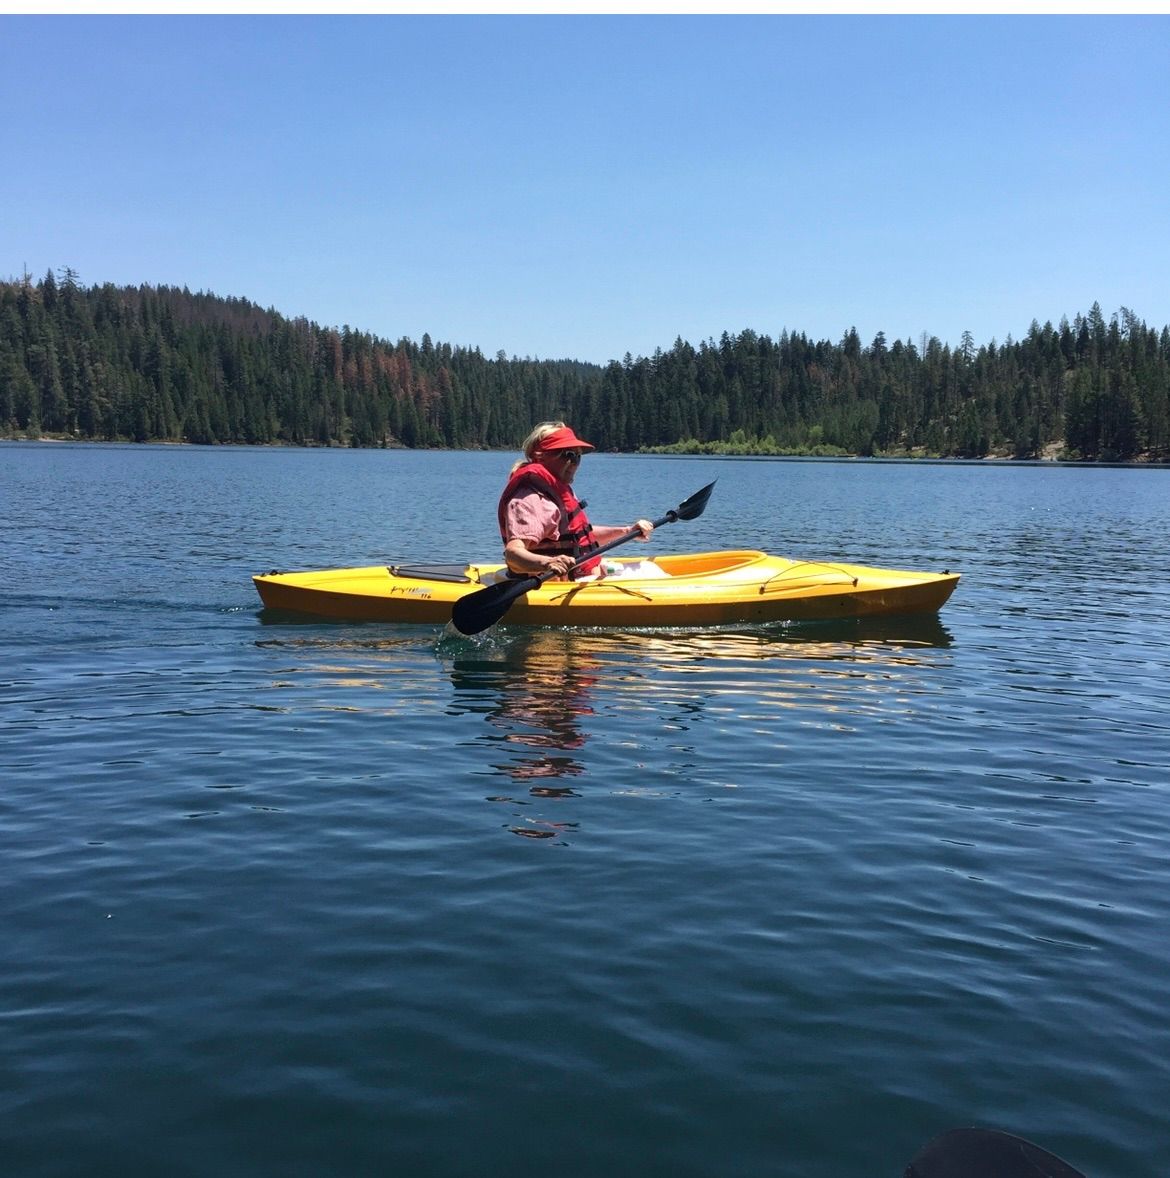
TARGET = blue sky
x,y
587,186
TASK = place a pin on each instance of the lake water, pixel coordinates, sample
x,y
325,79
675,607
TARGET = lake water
x,y
332,900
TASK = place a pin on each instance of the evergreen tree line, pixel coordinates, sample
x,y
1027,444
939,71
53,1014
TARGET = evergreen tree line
x,y
162,364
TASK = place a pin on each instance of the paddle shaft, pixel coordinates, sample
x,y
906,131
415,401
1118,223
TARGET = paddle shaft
x,y
519,588
625,537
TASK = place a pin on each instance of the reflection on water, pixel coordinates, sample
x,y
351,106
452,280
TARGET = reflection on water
x,y
540,691
831,639
534,691
571,712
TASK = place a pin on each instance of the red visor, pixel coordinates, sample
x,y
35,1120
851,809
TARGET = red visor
x,y
564,439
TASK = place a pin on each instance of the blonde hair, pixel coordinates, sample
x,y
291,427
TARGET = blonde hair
x,y
531,444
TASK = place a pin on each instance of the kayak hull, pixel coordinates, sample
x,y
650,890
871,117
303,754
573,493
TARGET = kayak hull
x,y
698,589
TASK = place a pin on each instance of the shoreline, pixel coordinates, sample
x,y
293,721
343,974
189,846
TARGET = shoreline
x,y
1051,456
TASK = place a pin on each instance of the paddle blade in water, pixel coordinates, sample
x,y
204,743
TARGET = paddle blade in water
x,y
985,1153
483,608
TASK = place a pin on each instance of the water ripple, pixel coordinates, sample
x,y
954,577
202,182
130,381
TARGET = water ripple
x,y
343,899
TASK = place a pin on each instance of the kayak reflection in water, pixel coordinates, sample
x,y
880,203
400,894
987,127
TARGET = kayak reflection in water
x,y
541,715
542,522
540,712
534,692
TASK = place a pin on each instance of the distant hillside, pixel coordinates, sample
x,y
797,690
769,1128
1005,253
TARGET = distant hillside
x,y
163,364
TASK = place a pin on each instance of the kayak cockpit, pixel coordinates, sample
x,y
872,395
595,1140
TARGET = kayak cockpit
x,y
711,564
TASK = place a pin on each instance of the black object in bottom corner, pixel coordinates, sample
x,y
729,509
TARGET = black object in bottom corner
x,y
985,1153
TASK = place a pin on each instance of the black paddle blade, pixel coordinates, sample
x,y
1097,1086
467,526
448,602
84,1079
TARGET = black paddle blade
x,y
483,608
985,1153
693,507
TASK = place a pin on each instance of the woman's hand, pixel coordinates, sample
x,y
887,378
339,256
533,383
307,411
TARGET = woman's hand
x,y
646,527
561,564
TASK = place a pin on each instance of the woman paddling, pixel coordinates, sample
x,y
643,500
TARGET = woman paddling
x,y
542,523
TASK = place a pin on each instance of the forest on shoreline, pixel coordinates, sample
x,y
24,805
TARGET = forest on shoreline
x,y
159,364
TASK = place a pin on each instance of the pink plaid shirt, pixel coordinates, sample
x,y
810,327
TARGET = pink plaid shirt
x,y
532,517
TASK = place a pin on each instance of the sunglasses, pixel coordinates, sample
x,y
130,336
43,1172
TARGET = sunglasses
x,y
569,455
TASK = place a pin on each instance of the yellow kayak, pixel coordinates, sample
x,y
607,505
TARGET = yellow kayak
x,y
697,589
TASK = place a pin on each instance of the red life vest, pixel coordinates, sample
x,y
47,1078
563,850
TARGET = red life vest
x,y
575,535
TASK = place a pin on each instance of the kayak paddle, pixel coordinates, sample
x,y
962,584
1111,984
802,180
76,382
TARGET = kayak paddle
x,y
483,608
985,1153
